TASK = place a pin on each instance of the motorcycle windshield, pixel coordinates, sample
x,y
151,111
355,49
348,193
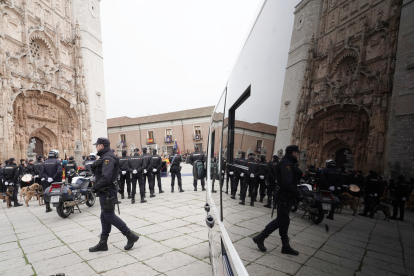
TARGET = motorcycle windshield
x,y
80,183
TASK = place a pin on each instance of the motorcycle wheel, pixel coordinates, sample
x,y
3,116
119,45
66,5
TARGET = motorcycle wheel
x,y
63,212
91,199
317,217
294,206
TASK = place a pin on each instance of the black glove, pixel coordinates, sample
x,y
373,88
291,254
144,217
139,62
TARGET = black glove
x,y
93,189
97,163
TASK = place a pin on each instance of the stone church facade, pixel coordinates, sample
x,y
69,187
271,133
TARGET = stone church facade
x,y
338,99
51,76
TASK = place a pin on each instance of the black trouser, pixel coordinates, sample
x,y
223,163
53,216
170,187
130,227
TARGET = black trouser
x,y
231,179
336,195
45,185
369,204
253,186
263,186
237,179
125,178
109,218
157,175
137,177
150,181
39,181
282,220
2,189
203,183
401,205
175,171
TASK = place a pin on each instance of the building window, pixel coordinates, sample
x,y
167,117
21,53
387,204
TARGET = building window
x,y
197,133
150,139
123,140
259,145
168,136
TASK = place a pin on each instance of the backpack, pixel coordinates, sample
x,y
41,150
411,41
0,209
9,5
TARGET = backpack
x,y
199,172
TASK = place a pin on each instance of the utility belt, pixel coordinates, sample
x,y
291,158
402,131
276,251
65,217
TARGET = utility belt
x,y
175,166
108,205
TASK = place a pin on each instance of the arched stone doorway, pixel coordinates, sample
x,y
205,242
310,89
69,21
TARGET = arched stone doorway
x,y
38,146
341,158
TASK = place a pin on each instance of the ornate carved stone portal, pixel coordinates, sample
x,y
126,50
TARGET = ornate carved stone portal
x,y
42,89
344,103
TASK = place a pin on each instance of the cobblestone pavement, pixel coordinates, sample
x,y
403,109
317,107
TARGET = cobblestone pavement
x,y
173,240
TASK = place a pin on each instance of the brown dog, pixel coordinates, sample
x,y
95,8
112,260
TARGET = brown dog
x,y
40,194
9,195
352,202
385,210
29,192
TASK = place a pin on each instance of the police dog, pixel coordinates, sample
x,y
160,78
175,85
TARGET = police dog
x,y
385,210
9,195
28,192
40,194
352,202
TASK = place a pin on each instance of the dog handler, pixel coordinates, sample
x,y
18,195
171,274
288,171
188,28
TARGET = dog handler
x,y
51,172
10,178
105,170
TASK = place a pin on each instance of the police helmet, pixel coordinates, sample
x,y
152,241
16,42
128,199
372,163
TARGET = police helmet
x,y
275,158
39,158
71,158
92,156
330,163
53,153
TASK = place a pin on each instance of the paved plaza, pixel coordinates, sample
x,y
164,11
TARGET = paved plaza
x,y
173,240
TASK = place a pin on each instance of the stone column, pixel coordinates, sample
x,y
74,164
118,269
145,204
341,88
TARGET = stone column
x,y
78,153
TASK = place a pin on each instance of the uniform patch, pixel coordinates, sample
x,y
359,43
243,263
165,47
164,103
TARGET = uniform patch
x,y
288,168
106,162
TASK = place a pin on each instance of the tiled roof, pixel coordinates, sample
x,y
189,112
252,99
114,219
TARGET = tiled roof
x,y
179,115
259,127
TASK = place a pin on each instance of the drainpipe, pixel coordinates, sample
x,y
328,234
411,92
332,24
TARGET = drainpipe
x,y
139,127
182,129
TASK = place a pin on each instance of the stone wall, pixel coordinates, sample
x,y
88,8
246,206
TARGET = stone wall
x,y
87,13
400,147
307,14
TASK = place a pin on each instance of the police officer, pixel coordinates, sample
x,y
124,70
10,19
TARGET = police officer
x,y
22,171
263,178
124,175
230,173
10,178
344,176
89,161
239,173
250,179
371,182
6,162
71,165
175,170
1,181
402,193
156,166
223,166
146,173
287,180
37,170
136,166
197,156
272,180
331,179
51,172
105,170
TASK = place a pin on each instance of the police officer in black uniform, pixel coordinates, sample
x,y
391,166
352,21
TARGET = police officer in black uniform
x,y
230,174
156,166
287,179
402,193
263,178
136,166
239,174
51,172
197,156
250,179
175,170
146,174
37,170
6,162
10,178
89,162
371,182
105,170
124,174
272,180
71,165
331,179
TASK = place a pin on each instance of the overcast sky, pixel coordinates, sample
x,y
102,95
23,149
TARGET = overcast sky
x,y
170,55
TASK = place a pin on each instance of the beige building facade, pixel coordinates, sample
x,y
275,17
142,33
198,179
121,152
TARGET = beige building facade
x,y
51,77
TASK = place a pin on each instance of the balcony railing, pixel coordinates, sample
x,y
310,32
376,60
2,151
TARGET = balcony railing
x,y
169,139
198,137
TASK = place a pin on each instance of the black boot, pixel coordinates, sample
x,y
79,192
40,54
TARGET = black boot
x,y
252,203
242,202
259,240
143,200
133,200
269,203
195,188
17,204
152,194
180,188
233,197
203,189
161,191
132,238
286,249
101,246
48,209
261,199
122,196
172,189
129,195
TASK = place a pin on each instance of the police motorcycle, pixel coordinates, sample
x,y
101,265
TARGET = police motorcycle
x,y
65,197
314,203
